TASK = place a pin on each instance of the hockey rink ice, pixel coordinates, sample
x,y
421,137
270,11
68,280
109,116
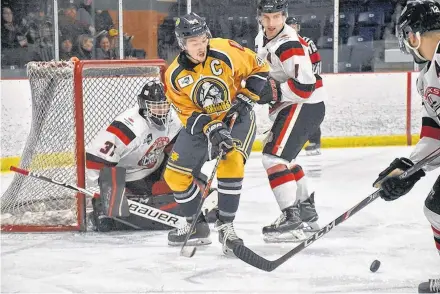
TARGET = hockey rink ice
x,y
396,233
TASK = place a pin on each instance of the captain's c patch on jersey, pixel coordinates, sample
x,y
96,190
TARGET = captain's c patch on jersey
x,y
212,95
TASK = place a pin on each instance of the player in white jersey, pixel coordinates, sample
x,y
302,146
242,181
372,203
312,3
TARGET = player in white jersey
x,y
138,140
314,147
419,35
296,113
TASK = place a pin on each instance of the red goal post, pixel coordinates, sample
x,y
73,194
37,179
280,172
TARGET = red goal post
x,y
71,102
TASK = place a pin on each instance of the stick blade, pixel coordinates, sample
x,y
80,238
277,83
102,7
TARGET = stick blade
x,y
251,258
188,251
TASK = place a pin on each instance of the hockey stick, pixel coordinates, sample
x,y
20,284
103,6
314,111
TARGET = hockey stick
x,y
189,251
250,257
136,208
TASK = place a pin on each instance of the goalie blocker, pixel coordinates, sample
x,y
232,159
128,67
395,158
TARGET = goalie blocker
x,y
118,209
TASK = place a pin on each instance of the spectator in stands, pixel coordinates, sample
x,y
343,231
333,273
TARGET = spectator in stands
x,y
66,49
70,26
105,51
85,47
12,36
43,47
103,21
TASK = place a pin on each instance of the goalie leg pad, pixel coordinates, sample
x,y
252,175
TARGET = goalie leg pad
x,y
112,187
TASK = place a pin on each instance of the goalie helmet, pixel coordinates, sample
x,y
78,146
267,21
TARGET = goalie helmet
x,y
418,17
272,6
153,104
190,25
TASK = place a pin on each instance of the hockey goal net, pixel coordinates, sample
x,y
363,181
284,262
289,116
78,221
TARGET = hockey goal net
x,y
71,102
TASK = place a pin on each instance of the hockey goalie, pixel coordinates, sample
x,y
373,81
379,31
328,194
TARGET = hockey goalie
x,y
138,142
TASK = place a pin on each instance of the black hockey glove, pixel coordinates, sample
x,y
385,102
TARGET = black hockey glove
x,y
219,138
271,93
392,186
242,105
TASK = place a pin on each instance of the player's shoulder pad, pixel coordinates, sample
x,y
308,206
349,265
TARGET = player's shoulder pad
x,y
172,73
128,125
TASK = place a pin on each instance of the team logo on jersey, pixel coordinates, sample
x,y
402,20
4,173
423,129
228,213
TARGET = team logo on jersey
x,y
211,94
185,81
432,98
153,153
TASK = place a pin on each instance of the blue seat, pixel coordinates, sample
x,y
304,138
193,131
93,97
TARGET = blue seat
x,y
325,42
344,66
362,52
371,18
346,25
370,24
326,60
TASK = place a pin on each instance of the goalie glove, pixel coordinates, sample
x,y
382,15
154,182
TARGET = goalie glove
x,y
219,138
392,186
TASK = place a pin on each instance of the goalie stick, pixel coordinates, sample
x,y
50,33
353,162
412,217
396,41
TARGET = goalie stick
x,y
136,208
189,251
255,260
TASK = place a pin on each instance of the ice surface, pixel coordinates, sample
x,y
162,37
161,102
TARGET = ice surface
x,y
395,233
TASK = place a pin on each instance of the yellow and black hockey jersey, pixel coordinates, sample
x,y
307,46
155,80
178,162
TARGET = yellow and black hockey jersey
x,y
211,86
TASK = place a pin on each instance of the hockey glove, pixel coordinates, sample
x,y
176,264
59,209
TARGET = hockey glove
x,y
242,105
271,93
219,138
392,186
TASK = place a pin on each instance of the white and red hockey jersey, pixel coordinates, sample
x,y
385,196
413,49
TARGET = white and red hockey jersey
x,y
428,86
291,65
132,142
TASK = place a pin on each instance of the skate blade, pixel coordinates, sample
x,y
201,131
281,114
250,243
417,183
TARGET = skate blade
x,y
313,152
311,227
194,242
290,237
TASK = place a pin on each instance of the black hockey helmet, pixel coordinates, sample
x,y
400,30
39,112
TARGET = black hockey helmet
x,y
153,104
418,17
190,25
272,6
293,21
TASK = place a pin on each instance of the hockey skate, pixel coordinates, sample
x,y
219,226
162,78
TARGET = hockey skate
x,y
200,235
227,237
308,214
432,286
313,149
288,227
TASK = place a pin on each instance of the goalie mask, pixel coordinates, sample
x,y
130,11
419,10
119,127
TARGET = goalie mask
x,y
153,104
418,17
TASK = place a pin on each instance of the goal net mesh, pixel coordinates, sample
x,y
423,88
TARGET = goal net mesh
x,y
71,102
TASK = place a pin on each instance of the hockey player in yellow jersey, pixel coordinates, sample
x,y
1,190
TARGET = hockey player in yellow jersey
x,y
204,85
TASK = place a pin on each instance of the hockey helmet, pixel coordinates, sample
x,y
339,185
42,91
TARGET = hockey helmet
x,y
293,21
190,25
272,6
418,17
